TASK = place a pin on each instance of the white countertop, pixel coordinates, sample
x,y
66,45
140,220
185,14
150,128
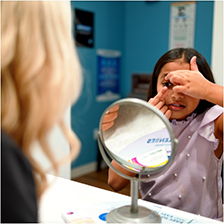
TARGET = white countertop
x,y
85,201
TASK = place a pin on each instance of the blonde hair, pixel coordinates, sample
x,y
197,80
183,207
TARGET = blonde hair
x,y
40,75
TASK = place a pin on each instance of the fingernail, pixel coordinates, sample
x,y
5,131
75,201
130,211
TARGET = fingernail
x,y
165,87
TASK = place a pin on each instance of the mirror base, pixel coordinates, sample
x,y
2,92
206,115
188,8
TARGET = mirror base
x,y
124,215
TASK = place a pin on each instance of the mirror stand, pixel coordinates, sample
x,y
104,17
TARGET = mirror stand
x,y
129,213
138,130
133,213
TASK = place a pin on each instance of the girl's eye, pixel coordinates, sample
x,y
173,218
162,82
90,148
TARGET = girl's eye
x,y
168,84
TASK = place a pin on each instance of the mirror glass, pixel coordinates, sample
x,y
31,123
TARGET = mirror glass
x,y
137,135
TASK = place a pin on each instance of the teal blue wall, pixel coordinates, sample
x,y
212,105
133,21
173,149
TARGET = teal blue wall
x,y
147,35
108,34
140,30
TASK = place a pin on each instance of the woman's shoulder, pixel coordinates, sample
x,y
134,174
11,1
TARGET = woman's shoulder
x,y
8,142
11,150
13,159
18,187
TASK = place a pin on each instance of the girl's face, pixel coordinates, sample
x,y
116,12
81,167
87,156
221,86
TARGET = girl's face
x,y
181,105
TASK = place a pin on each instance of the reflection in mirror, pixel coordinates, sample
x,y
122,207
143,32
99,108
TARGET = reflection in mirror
x,y
137,135
139,138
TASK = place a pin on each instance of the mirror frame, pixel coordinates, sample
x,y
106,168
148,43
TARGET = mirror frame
x,y
142,169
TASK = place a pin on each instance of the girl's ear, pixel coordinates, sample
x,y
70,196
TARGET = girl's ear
x,y
193,64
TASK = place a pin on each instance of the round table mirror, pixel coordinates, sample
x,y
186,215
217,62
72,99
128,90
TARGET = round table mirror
x,y
140,139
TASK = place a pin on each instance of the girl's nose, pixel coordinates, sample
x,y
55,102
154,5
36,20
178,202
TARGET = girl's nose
x,y
177,96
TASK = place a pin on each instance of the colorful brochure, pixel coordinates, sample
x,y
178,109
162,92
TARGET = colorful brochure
x,y
152,150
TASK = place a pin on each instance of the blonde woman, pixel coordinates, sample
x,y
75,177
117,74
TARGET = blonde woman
x,y
40,78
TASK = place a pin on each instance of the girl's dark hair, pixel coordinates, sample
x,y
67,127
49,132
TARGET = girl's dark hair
x,y
186,54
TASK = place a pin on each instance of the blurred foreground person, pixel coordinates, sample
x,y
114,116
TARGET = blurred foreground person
x,y
40,78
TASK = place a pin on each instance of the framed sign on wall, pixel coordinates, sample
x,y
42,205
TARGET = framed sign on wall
x,y
108,75
84,35
182,24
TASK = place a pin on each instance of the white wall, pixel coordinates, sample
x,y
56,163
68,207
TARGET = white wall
x,y
217,43
60,146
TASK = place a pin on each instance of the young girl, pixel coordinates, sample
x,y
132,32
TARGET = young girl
x,y
183,88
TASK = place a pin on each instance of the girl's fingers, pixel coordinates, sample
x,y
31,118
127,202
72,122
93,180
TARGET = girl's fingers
x,y
159,102
161,93
164,109
176,77
115,108
106,126
180,89
110,117
168,114
193,64
155,100
177,80
159,105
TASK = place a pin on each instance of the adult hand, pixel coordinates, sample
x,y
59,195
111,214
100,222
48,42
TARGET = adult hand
x,y
189,82
110,116
159,102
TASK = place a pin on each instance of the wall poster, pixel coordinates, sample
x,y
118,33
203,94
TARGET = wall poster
x,y
84,28
182,24
108,75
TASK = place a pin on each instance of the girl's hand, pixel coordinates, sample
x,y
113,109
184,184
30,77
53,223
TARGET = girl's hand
x,y
159,103
190,82
108,120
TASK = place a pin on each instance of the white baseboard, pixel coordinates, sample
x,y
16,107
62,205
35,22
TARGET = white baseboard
x,y
85,169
